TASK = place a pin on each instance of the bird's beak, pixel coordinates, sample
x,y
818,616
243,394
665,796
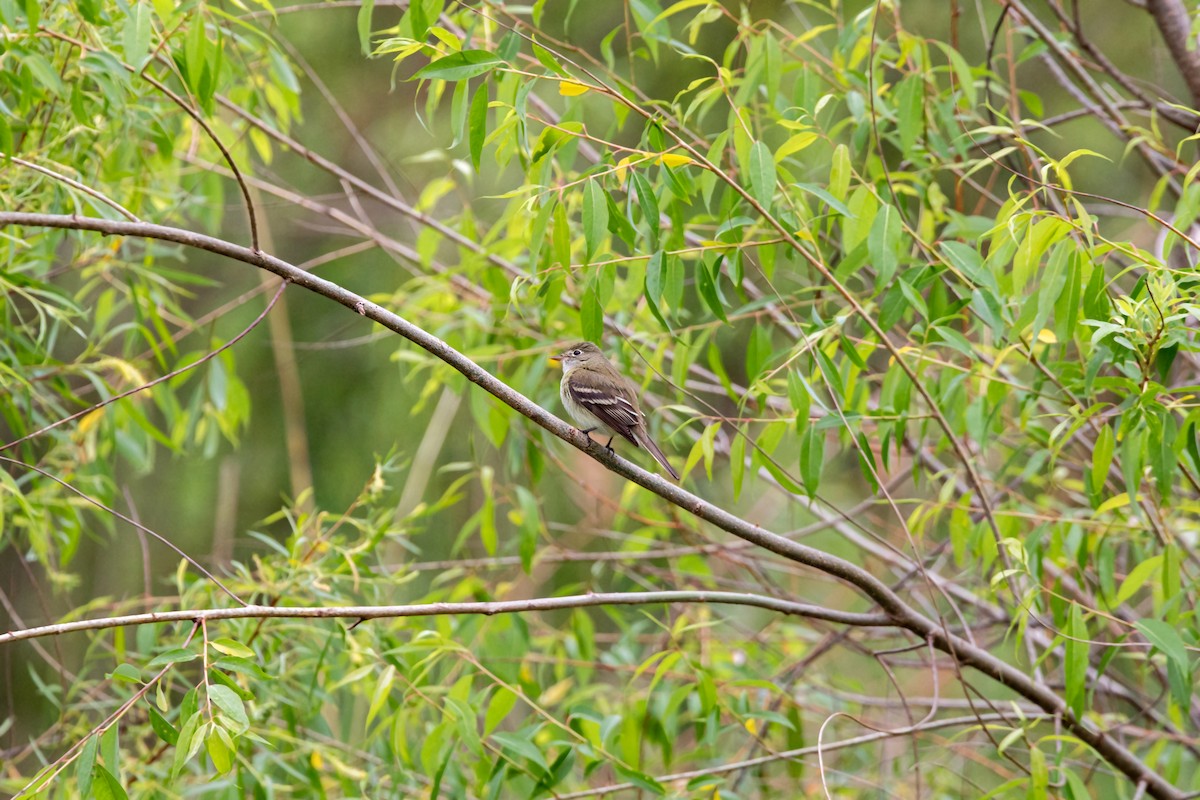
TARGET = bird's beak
x,y
555,360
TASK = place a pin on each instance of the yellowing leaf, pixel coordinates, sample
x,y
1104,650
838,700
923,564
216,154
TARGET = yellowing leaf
x,y
572,89
674,160
90,420
795,144
1119,501
1046,336
623,168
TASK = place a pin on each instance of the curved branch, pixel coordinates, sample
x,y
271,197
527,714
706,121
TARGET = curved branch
x,y
360,613
900,613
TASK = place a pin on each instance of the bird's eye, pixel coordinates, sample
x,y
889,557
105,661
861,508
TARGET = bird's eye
x,y
576,352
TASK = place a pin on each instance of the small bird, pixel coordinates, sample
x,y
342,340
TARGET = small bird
x,y
596,394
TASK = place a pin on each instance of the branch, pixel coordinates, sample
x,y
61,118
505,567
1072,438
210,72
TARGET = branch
x,y
444,609
1172,20
800,752
900,613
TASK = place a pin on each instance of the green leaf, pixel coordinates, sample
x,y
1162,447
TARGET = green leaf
x,y
1102,456
1075,661
521,746
383,690
1136,579
477,124
910,110
649,205
164,729
220,749
706,287
105,786
595,216
183,748
176,655
231,648
758,351
883,243
839,173
501,703
127,673
591,315
640,780
459,66
227,700
83,767
364,25
654,276
1164,636
137,32
826,198
762,174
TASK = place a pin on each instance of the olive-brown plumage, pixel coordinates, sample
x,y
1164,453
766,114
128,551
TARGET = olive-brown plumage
x,y
597,395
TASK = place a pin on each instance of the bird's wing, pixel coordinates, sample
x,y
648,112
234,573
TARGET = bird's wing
x,y
618,411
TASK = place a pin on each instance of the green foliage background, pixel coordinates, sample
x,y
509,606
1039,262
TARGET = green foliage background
x,y
934,318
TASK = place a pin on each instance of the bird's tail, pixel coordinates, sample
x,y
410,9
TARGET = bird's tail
x,y
645,441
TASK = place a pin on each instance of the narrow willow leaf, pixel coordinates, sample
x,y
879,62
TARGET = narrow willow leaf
x,y
1137,578
839,173
762,174
1102,456
227,700
866,461
1075,661
83,767
910,110
477,124
459,66
673,287
383,690
547,60
837,204
654,276
137,34
595,216
164,729
501,703
364,26
591,315
1133,457
706,287
649,205
883,243
105,786
1166,639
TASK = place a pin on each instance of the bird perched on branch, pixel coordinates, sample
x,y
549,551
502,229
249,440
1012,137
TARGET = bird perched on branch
x,y
601,398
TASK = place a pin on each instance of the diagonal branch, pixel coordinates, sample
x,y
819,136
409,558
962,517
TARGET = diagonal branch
x,y
1172,20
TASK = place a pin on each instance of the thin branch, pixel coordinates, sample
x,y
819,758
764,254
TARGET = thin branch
x,y
800,752
444,609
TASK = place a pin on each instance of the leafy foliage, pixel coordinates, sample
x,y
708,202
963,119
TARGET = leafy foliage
x,y
876,298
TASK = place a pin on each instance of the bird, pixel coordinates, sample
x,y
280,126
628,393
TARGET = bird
x,y
596,394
